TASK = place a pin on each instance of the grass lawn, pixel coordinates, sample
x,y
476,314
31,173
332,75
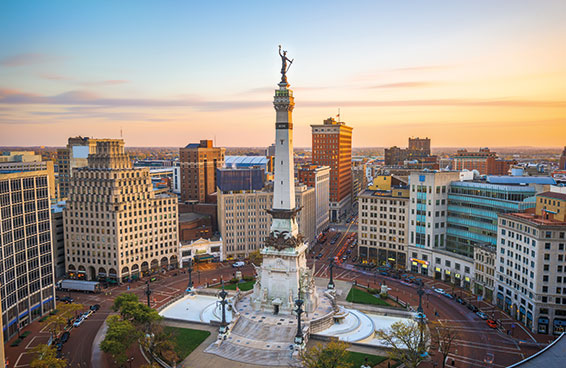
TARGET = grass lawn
x,y
244,286
359,358
186,340
357,295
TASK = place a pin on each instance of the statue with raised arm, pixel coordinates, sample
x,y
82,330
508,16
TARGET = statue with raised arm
x,y
284,66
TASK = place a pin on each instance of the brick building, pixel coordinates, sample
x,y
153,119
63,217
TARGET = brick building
x,y
332,146
484,161
199,162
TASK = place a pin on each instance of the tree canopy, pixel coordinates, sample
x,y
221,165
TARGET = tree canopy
x,y
46,357
407,342
333,355
121,334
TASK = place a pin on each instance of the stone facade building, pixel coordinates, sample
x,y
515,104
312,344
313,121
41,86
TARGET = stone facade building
x,y
244,222
116,227
484,271
73,156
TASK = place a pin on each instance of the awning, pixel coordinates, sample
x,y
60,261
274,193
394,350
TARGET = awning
x,y
543,320
559,322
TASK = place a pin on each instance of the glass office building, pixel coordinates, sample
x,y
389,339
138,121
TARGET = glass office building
x,y
473,208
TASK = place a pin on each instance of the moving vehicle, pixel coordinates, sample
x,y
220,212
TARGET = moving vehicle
x,y
79,285
95,307
481,314
491,323
239,264
461,301
472,307
87,314
439,291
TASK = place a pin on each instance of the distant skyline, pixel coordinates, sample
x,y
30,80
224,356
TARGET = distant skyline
x,y
167,73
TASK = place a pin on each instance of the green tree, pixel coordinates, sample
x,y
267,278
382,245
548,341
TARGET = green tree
x,y
408,342
120,336
59,320
124,298
443,336
162,343
333,355
256,257
46,357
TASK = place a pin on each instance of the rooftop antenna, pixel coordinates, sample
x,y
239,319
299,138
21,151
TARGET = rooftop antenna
x,y
121,133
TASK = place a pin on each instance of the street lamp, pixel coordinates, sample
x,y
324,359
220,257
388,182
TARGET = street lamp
x,y
130,360
420,292
190,269
223,325
299,310
147,293
331,282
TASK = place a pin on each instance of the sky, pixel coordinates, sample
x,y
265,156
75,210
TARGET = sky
x,y
168,73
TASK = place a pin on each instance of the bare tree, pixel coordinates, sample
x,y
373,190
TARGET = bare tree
x,y
443,336
407,342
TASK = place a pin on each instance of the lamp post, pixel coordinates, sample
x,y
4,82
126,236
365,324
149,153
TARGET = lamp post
x,y
420,292
223,325
130,360
190,269
148,293
299,310
331,282
420,315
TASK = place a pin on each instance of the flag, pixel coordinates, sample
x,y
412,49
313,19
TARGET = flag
x,y
237,289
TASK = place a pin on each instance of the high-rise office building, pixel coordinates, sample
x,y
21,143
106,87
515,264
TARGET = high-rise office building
x,y
244,222
26,278
116,226
332,146
531,265
318,177
427,217
418,150
73,156
26,162
199,162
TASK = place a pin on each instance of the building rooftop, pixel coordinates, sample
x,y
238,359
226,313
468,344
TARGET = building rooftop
x,y
554,195
530,216
245,160
191,216
520,180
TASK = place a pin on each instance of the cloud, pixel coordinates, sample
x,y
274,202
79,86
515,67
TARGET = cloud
x,y
54,77
406,85
24,59
86,98
110,82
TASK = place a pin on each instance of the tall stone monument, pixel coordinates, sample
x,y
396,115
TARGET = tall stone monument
x,y
284,275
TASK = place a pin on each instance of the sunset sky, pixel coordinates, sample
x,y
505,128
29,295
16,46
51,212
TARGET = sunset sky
x,y
464,73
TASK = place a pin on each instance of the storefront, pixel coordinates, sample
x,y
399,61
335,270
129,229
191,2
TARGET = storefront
x,y
558,326
447,276
437,273
530,320
457,279
419,266
500,300
522,314
543,325
467,283
507,306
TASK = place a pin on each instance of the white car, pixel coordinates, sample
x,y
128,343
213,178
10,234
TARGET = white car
x,y
78,322
439,291
238,264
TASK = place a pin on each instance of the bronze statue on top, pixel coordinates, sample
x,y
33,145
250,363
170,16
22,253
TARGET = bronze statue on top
x,y
284,66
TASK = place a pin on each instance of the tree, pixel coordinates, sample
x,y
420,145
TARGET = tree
x,y
443,336
124,298
408,342
59,320
47,357
256,257
333,355
162,343
121,334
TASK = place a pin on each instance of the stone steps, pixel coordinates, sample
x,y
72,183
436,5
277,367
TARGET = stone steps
x,y
245,354
265,332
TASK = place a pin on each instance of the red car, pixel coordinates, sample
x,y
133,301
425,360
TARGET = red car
x,y
491,323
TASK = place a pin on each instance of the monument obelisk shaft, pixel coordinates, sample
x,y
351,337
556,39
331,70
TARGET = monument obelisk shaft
x,y
284,211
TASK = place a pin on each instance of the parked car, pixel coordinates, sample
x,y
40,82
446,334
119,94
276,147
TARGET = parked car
x,y
449,296
491,323
87,314
472,307
59,346
482,315
95,307
78,322
461,301
439,291
65,337
67,299
239,264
